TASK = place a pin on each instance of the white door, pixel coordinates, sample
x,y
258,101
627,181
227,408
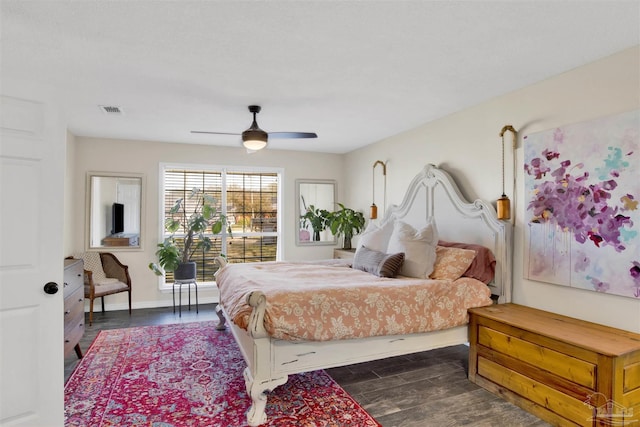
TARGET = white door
x,y
32,157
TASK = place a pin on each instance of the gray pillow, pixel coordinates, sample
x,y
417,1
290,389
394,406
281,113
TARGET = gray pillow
x,y
378,263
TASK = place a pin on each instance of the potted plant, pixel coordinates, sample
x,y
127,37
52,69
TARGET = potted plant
x,y
317,218
174,255
346,222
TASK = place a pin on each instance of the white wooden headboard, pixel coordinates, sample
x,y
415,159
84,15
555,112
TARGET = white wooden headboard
x,y
434,194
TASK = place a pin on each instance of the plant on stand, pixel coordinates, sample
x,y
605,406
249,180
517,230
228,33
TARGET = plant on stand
x,y
194,218
346,222
317,218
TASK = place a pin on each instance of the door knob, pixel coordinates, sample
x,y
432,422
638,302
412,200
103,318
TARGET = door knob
x,y
51,288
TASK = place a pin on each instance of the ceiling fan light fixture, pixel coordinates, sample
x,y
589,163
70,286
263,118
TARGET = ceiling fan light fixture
x,y
254,140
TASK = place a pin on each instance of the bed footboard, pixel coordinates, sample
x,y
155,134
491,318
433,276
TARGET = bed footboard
x,y
221,324
270,361
258,376
256,348
257,388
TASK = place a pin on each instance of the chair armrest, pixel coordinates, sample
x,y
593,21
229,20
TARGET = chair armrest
x,y
88,278
114,268
89,286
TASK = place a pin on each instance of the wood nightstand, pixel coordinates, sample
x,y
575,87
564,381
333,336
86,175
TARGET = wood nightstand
x,y
344,253
564,370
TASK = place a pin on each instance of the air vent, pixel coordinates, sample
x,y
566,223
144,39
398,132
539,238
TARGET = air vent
x,y
111,109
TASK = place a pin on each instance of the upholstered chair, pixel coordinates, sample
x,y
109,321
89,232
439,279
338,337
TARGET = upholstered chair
x,y
104,275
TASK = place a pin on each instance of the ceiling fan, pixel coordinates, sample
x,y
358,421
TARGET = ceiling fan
x,y
255,139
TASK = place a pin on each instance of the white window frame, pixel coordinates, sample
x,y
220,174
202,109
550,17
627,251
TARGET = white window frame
x,y
168,287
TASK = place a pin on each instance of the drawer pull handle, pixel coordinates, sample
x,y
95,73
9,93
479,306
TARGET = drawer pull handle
x,y
67,312
66,284
80,300
67,341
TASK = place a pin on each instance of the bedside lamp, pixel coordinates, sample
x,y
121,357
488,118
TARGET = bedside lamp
x,y
503,204
374,208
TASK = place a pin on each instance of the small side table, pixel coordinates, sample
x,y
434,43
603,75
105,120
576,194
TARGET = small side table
x,y
344,253
179,283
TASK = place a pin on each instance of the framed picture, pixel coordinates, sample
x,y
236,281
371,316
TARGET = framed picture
x,y
582,205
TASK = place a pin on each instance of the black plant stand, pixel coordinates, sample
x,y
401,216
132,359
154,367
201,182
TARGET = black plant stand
x,y
179,283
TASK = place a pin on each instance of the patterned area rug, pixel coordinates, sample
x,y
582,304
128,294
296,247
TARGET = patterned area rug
x,y
191,375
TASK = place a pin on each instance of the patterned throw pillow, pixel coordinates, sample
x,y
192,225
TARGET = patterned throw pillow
x,y
93,263
451,263
378,263
483,266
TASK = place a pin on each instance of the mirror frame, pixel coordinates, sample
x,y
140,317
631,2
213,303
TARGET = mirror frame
x,y
299,182
88,212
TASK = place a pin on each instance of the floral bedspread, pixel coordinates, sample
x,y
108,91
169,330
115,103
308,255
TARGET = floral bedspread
x,y
318,302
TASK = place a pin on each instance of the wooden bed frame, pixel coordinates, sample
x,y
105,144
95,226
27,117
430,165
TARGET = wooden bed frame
x,y
432,193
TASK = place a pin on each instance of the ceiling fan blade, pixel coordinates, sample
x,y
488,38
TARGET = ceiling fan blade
x,y
292,135
214,133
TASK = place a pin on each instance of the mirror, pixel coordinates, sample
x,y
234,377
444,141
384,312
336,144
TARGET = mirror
x,y
319,195
114,210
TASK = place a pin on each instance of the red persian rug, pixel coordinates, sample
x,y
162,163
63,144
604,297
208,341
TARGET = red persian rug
x,y
191,375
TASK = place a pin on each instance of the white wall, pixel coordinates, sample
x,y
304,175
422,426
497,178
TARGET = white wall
x,y
468,146
110,155
69,195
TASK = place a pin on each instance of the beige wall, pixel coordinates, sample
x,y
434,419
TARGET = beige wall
x,y
468,146
109,155
465,143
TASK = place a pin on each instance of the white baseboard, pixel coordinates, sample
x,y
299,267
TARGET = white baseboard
x,y
97,305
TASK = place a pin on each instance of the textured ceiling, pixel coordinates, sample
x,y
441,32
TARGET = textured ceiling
x,y
355,72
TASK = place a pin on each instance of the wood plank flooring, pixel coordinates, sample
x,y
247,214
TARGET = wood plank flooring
x,y
418,390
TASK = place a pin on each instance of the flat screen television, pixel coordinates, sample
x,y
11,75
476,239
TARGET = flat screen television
x,y
117,218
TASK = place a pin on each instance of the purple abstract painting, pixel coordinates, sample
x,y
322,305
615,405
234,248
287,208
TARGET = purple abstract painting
x,y
582,205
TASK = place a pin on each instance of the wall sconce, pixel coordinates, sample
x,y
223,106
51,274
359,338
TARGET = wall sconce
x,y
374,208
503,204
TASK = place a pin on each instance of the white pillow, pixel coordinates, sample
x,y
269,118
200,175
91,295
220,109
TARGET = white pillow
x,y
376,237
419,247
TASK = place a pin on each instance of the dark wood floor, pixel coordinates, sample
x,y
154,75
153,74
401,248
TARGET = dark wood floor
x,y
419,390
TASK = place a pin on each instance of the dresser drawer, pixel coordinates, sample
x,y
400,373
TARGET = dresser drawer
x,y
73,335
73,292
73,276
562,365
74,308
537,392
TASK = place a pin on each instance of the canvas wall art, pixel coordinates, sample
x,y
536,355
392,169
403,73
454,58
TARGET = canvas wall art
x,y
582,210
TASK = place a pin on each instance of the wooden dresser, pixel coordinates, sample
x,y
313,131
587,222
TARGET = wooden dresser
x,y
564,370
73,292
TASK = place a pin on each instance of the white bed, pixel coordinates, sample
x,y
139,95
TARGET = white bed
x,y
431,194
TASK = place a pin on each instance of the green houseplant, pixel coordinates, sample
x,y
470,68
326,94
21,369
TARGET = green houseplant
x,y
317,218
193,217
346,222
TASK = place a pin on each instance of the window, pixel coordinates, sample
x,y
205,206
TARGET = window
x,y
249,198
